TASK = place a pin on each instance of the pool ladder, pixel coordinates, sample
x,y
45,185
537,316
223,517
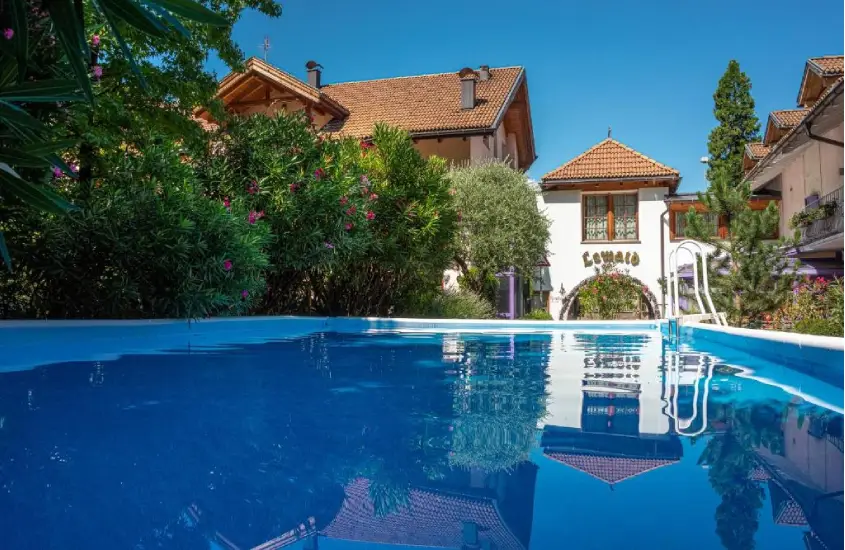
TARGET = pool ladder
x,y
674,371
697,251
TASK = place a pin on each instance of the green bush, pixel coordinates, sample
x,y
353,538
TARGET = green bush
x,y
461,304
359,228
819,327
145,245
537,315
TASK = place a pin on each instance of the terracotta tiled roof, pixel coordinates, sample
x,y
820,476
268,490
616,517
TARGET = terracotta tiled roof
x,y
788,118
607,160
829,65
610,469
759,474
428,519
419,104
756,150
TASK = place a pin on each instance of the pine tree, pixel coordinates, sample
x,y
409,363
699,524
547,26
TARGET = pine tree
x,y
738,125
746,259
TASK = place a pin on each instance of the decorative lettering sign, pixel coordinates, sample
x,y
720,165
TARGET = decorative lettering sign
x,y
610,257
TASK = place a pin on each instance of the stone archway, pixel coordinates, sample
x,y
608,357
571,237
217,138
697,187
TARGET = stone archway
x,y
566,307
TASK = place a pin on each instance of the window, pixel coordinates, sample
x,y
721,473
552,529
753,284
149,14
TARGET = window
x,y
681,223
610,217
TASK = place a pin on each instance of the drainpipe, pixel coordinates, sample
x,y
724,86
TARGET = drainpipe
x,y
663,261
816,137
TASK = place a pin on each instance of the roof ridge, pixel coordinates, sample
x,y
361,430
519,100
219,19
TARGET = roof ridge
x,y
646,157
414,76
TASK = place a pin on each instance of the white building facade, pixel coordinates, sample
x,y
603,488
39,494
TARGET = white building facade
x,y
607,205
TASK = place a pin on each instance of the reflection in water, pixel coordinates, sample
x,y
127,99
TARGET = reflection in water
x,y
435,441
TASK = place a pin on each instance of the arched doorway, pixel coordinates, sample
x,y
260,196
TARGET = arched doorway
x,y
570,308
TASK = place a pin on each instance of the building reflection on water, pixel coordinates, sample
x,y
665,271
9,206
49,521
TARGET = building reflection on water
x,y
436,452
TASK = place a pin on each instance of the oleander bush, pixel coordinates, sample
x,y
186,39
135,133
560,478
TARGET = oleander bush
x,y
145,244
359,227
815,307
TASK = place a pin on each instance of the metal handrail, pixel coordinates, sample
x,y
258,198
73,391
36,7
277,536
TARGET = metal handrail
x,y
674,293
828,226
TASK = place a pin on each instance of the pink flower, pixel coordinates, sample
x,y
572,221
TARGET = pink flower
x,y
365,145
253,217
95,40
253,188
371,215
74,168
293,187
344,200
244,294
8,34
365,180
349,226
98,72
645,288
351,210
57,172
329,245
319,173
227,203
373,197
227,265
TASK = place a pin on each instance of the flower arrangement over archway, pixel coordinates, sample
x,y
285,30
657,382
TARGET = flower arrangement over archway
x,y
609,293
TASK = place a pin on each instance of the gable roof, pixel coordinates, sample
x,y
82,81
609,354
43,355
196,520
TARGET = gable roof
x,y
610,469
829,65
235,84
610,160
787,118
422,104
756,150
825,69
428,518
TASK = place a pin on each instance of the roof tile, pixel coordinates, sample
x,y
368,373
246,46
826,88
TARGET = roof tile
x,y
426,103
787,118
610,159
830,65
756,150
610,469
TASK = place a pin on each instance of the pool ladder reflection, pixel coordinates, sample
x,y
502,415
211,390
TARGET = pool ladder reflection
x,y
675,368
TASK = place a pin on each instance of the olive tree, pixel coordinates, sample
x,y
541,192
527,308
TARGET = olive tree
x,y
500,226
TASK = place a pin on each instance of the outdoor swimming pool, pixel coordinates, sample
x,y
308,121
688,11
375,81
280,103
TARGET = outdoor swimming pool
x,y
579,438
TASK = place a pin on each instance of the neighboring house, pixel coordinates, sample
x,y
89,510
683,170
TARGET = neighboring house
x,y
800,159
460,116
609,199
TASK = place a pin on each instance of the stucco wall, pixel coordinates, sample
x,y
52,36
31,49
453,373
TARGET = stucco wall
x,y
455,150
815,169
567,263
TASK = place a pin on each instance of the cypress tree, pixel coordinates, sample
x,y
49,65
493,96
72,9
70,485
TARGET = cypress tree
x,y
746,258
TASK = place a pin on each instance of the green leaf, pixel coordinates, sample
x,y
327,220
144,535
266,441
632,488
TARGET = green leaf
x,y
71,34
127,53
33,195
193,11
11,114
21,38
174,22
8,70
16,157
134,15
4,253
42,91
47,147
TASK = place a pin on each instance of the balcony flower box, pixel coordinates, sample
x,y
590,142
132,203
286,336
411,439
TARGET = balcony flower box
x,y
806,217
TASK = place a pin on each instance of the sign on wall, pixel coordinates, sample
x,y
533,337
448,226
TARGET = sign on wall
x,y
611,257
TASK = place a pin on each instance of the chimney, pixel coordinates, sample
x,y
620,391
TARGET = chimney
x,y
484,73
468,78
314,72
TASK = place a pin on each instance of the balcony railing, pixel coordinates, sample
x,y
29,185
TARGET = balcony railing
x,y
829,225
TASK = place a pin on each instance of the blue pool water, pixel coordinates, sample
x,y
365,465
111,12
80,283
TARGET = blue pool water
x,y
569,439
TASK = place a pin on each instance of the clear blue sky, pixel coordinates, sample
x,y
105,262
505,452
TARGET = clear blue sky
x,y
648,69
